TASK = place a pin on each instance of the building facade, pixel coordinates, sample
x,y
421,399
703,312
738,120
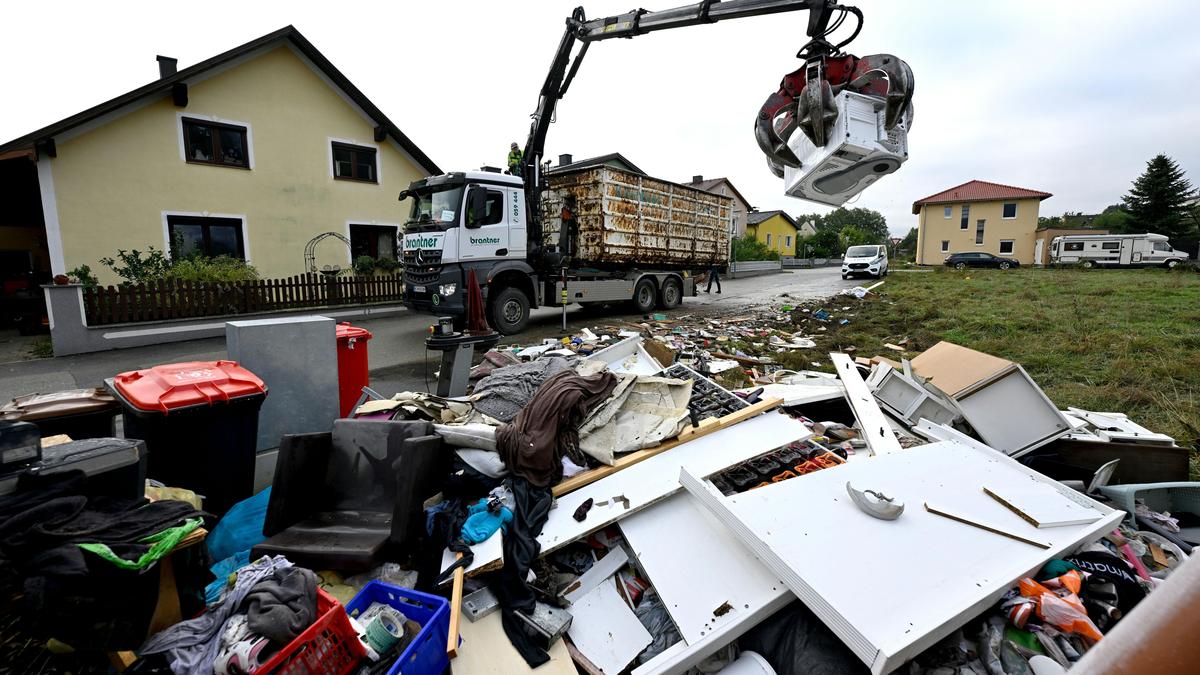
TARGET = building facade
x,y
776,229
978,216
250,154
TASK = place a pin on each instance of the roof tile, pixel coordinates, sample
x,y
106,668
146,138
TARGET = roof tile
x,y
979,191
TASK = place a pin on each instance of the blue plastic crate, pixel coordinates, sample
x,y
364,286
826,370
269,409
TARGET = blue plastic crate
x,y
426,654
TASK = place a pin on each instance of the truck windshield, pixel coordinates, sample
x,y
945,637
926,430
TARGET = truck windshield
x,y
436,209
862,251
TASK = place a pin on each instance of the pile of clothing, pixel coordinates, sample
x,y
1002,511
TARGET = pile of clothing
x,y
266,606
85,566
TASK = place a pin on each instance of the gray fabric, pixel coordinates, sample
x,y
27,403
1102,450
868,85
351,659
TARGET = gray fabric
x,y
191,646
482,436
502,394
281,606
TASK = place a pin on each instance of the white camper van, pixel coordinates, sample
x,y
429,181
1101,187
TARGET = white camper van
x,y
1115,250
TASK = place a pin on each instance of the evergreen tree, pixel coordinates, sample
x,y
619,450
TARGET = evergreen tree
x,y
1158,200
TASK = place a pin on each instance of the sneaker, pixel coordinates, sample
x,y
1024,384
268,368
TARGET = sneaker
x,y
241,651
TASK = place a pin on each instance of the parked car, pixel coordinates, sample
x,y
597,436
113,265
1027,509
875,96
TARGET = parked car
x,y
961,261
871,260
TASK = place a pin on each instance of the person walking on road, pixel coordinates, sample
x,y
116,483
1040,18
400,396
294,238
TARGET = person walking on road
x,y
714,274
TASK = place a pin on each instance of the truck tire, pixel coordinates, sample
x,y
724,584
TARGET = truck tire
x,y
644,297
1087,264
1172,264
508,311
670,295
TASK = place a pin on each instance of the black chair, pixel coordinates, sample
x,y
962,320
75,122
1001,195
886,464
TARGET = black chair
x,y
347,499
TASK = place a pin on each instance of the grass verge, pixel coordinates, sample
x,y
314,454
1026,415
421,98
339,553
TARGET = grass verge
x,y
1105,340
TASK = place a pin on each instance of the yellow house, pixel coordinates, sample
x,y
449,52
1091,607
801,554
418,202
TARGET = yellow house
x,y
776,229
978,217
252,153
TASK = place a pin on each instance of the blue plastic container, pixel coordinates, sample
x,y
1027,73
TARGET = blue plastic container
x,y
426,654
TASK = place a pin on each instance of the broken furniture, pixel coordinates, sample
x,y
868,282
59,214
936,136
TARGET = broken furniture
x,y
709,399
340,498
875,602
1068,458
628,356
1111,427
995,396
1181,500
115,467
907,398
457,351
876,428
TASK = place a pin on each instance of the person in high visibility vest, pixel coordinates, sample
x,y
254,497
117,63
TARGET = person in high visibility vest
x,y
514,159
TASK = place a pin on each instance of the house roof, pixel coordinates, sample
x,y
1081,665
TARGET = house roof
x,y
979,191
756,217
711,183
162,87
598,161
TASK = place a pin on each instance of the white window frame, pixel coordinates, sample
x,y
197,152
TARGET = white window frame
x,y
979,241
768,239
368,221
787,241
1015,211
945,246
179,116
166,228
347,141
1012,246
948,213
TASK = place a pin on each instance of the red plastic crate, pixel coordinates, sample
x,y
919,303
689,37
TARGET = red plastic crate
x,y
328,647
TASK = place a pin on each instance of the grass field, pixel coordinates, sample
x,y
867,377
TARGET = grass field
x,y
1105,340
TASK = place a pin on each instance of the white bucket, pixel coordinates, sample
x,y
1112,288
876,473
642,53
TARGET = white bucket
x,y
749,663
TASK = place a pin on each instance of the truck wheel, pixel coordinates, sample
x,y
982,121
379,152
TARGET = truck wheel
x,y
1088,264
644,296
1172,264
671,294
509,311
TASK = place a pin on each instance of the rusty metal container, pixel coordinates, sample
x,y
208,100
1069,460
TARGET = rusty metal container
x,y
630,220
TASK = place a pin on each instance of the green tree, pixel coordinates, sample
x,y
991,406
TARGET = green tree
x,y
1160,198
1117,221
748,248
869,222
909,242
852,235
823,244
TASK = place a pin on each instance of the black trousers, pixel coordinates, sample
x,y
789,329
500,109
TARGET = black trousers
x,y
713,275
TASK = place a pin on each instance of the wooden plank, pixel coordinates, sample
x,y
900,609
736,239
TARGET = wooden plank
x,y
985,528
877,432
682,549
953,368
883,617
456,594
656,478
690,433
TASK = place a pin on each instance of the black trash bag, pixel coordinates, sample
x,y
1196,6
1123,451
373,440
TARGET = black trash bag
x,y
795,642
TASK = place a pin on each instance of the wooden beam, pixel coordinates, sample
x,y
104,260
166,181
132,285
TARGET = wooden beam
x,y
629,459
876,430
456,595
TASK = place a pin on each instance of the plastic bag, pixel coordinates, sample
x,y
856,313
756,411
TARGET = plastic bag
x,y
1059,605
653,615
240,528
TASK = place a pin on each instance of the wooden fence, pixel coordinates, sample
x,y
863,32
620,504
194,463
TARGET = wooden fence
x,y
170,299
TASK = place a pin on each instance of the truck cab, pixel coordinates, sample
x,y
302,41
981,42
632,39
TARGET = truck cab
x,y
459,222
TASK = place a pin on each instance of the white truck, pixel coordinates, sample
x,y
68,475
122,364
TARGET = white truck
x,y
1115,250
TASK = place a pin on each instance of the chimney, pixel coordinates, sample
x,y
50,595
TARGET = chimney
x,y
697,178
166,66
564,160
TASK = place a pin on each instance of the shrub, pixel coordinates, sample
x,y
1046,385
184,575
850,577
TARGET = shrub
x,y
134,268
749,248
364,265
219,269
83,275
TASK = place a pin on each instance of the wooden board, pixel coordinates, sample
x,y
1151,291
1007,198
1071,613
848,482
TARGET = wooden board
x,y
892,595
683,551
485,650
655,478
954,369
689,433
456,595
877,431
605,630
1039,505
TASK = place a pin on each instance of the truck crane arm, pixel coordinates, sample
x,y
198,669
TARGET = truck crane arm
x,y
805,99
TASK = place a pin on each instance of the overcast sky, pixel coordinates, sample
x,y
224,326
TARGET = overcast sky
x,y
1068,97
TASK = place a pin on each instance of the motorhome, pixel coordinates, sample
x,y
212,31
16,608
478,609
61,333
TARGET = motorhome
x,y
1115,250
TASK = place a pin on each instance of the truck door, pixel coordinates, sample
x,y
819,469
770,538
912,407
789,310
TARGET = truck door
x,y
485,235
1127,246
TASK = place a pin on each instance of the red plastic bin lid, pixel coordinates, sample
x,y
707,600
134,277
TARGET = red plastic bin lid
x,y
181,385
347,332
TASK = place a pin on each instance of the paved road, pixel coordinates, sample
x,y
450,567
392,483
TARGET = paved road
x,y
397,351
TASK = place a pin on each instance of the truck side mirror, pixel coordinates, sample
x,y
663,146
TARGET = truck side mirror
x,y
405,194
476,205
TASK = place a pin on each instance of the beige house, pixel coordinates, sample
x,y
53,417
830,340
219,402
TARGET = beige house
x,y
722,186
252,153
978,216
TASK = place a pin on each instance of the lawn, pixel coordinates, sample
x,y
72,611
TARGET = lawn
x,y
1105,340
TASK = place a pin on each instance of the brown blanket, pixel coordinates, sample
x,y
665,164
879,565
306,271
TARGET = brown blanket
x,y
548,427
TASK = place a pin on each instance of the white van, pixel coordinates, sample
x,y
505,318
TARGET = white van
x,y
1115,250
871,259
